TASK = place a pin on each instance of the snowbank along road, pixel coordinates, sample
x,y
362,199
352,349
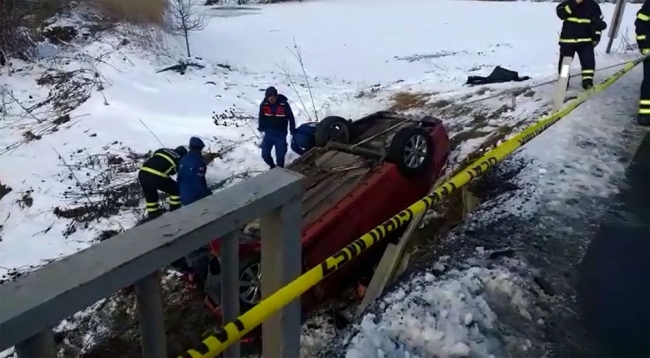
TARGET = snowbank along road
x,y
73,133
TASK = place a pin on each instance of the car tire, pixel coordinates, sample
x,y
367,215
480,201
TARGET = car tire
x,y
253,263
411,150
332,128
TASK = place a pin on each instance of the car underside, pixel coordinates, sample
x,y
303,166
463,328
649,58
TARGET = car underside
x,y
360,174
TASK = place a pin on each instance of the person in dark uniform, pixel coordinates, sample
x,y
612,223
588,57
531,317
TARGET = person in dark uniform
x,y
642,26
581,30
193,187
155,175
304,138
274,117
191,174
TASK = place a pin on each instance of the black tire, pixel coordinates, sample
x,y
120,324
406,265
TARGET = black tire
x,y
401,150
332,128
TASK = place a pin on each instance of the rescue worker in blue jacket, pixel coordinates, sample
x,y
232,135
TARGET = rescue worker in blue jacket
x,y
274,118
642,27
156,175
303,138
191,174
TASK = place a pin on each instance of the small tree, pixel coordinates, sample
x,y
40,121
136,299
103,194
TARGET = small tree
x,y
186,16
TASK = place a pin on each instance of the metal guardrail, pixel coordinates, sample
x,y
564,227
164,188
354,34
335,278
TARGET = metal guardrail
x,y
34,303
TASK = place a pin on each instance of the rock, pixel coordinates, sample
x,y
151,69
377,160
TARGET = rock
x,y
502,253
544,285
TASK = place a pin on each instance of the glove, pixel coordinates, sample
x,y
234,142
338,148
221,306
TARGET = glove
x,y
645,51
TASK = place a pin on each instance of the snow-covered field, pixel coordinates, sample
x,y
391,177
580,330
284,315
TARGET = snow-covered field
x,y
359,56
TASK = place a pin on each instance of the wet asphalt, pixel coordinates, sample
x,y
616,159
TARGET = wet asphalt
x,y
614,285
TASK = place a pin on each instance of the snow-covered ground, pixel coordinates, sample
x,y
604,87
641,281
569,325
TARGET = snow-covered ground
x,y
359,56
507,289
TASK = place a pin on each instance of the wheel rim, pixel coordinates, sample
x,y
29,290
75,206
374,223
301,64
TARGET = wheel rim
x,y
415,151
249,284
337,133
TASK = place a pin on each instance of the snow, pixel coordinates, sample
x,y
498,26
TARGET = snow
x,y
357,55
446,316
582,158
584,161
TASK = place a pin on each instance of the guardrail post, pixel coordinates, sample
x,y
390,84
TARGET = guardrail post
x,y
281,263
39,345
151,316
615,24
230,286
562,83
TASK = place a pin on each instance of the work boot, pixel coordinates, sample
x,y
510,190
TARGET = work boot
x,y
587,84
643,119
173,207
154,215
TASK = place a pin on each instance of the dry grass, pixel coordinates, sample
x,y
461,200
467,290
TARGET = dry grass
x,y
133,11
403,101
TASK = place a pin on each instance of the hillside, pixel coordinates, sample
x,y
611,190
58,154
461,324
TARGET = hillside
x,y
81,113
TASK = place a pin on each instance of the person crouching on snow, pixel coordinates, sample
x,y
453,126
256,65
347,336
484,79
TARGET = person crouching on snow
x,y
274,118
193,187
156,175
304,138
191,174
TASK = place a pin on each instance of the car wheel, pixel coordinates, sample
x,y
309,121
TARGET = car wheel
x,y
250,280
335,129
411,150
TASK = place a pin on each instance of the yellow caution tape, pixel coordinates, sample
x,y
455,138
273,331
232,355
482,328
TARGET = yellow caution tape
x,y
232,332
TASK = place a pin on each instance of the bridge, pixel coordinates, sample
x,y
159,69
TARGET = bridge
x,y
34,303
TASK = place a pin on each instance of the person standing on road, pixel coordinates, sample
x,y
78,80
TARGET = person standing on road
x,y
581,30
642,26
191,174
274,118
155,175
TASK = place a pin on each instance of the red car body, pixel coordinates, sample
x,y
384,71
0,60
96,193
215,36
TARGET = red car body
x,y
381,192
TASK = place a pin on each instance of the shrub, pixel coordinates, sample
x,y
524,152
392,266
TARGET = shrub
x,y
150,12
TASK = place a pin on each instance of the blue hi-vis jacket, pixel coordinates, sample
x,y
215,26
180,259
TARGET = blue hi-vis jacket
x,y
191,178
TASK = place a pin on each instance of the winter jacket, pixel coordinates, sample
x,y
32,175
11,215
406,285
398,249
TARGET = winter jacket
x,y
642,28
276,117
191,178
303,138
583,22
164,162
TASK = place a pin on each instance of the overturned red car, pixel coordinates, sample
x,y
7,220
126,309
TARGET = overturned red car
x,y
359,174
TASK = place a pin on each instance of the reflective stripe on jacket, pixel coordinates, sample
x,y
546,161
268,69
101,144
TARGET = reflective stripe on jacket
x,y
582,23
642,28
163,163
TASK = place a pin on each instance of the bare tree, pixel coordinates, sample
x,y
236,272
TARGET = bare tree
x,y
186,16
13,20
